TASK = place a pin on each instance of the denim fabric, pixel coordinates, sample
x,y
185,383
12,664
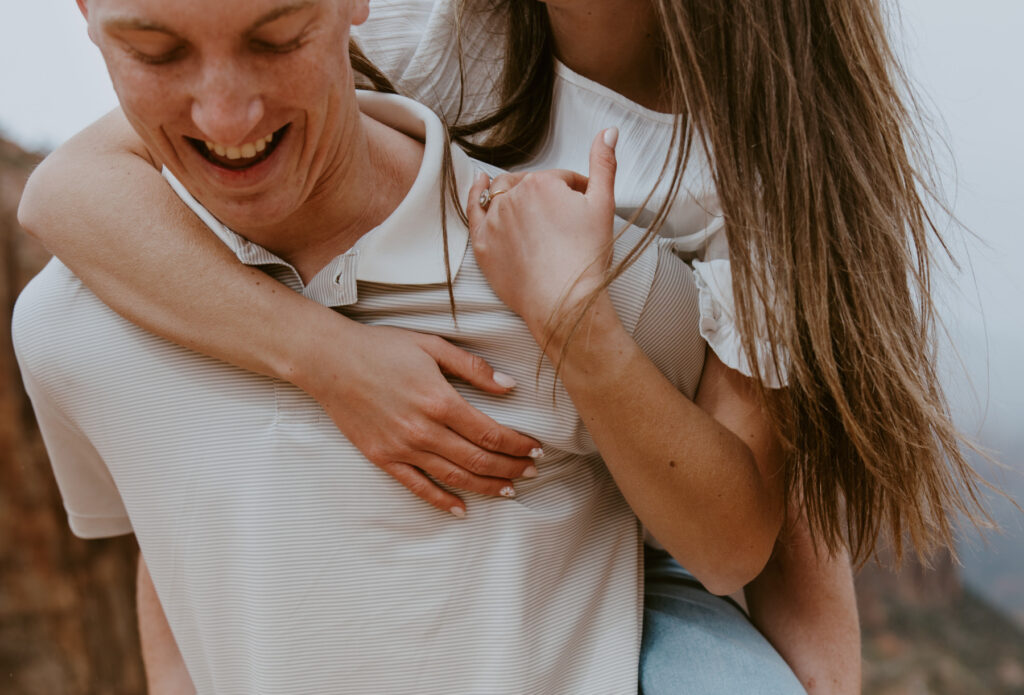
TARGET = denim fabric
x,y
699,643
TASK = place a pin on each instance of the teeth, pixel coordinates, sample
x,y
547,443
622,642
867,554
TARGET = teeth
x,y
248,150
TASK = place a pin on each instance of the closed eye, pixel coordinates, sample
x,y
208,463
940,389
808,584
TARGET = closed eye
x,y
269,47
162,59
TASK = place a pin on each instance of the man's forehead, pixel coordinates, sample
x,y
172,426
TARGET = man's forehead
x,y
165,15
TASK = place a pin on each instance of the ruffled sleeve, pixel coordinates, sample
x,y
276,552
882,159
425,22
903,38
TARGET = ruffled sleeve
x,y
718,322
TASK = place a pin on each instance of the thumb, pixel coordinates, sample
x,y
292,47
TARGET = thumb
x,y
601,188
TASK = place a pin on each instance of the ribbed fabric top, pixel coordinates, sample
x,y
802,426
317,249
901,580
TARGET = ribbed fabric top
x,y
415,43
288,563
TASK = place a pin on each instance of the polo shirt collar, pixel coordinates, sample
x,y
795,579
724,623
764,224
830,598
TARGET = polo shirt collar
x,y
406,248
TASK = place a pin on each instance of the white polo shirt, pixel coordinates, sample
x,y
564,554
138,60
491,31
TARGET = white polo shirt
x,y
288,563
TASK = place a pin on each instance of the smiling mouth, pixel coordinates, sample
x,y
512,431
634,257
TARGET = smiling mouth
x,y
240,156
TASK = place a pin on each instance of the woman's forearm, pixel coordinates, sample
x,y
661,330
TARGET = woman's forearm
x,y
106,212
805,605
707,488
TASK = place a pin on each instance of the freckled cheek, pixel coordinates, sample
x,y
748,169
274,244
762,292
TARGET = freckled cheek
x,y
154,101
301,83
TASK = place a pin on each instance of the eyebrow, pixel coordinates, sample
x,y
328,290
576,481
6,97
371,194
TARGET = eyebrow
x,y
281,12
134,24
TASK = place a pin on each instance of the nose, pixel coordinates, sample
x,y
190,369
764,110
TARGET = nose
x,y
226,104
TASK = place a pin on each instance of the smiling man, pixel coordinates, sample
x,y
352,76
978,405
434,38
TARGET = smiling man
x,y
284,560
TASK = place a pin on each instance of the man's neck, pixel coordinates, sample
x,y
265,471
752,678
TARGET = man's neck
x,y
613,44
368,178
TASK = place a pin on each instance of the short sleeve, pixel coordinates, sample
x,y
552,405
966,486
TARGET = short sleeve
x,y
667,330
718,323
91,498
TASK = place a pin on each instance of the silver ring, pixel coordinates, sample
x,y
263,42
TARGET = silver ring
x,y
487,196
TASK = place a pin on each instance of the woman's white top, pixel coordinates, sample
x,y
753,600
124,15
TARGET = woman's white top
x,y
415,43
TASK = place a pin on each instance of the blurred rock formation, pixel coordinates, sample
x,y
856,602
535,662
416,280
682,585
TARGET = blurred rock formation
x,y
66,605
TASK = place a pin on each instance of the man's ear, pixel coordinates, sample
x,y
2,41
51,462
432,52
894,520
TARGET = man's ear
x,y
360,11
83,7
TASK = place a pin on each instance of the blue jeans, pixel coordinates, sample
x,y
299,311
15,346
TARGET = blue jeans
x,y
696,642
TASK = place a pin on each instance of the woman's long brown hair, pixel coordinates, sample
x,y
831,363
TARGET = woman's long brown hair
x,y
817,163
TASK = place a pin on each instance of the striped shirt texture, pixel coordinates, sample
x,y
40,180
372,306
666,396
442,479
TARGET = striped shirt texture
x,y
288,563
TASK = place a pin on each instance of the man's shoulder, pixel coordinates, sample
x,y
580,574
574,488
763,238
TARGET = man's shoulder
x,y
48,318
42,307
59,325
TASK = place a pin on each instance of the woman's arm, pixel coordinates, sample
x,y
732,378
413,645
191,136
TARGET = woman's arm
x,y
709,491
100,204
805,605
702,475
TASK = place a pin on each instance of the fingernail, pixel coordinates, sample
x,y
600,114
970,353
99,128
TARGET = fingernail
x,y
482,177
530,472
458,512
504,380
536,453
611,136
507,491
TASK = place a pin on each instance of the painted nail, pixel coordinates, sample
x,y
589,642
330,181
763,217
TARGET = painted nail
x,y
504,380
536,452
530,471
458,512
611,136
507,491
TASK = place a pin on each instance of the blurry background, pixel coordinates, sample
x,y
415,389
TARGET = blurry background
x,y
66,605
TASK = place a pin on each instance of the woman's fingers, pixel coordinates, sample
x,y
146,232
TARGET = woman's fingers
x,y
467,366
516,449
466,454
445,472
461,417
502,184
425,473
426,489
601,188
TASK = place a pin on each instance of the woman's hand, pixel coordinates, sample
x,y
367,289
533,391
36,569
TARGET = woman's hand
x,y
545,239
386,392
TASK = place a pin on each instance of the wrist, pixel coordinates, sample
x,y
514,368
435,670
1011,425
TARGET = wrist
x,y
591,343
302,358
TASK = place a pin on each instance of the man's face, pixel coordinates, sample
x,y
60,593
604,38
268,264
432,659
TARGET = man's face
x,y
246,101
